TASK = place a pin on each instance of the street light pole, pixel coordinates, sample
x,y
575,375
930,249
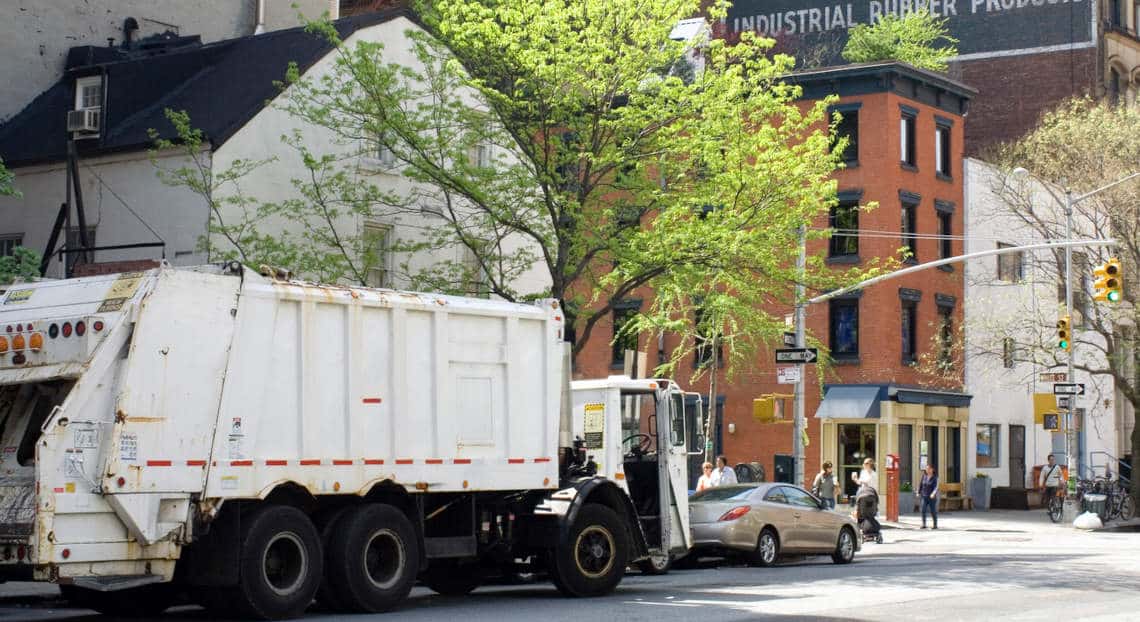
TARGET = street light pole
x,y
798,399
1069,510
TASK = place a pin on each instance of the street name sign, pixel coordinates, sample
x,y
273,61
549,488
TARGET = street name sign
x,y
797,355
1068,388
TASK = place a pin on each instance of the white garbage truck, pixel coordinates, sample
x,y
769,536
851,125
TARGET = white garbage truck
x,y
254,443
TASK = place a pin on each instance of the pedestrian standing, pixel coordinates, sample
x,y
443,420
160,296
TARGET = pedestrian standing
x,y
928,492
825,486
867,479
725,476
707,479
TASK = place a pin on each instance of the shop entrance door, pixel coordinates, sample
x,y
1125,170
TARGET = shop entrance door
x,y
856,442
1017,456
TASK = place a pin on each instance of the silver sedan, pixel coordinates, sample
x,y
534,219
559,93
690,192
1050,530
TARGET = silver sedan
x,y
763,521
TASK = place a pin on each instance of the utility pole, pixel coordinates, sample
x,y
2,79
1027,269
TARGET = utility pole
x,y
798,400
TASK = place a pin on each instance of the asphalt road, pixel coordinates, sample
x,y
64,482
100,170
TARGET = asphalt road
x,y
1014,566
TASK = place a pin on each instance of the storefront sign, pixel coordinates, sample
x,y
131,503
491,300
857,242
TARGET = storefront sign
x,y
983,27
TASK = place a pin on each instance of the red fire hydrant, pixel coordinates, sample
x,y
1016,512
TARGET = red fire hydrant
x,y
892,487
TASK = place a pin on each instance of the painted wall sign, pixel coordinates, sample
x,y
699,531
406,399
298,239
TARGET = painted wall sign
x,y
818,28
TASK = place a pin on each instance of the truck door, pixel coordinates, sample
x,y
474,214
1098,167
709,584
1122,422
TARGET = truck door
x,y
675,452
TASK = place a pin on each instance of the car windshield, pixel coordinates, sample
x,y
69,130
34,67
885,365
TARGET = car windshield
x,y
722,493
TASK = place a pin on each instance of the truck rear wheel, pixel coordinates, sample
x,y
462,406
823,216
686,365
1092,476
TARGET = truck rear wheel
x,y
146,601
281,563
592,559
373,558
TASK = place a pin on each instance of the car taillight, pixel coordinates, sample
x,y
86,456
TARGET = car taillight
x,y
735,513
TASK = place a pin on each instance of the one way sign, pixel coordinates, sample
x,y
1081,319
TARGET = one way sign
x,y
1068,388
797,355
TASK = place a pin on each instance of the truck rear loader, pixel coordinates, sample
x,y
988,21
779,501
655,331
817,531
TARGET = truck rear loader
x,y
255,443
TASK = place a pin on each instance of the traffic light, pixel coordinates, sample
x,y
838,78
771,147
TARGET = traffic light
x,y
1109,281
1063,333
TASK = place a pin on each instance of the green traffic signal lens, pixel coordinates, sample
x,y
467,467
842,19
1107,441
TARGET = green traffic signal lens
x,y
1113,296
1064,345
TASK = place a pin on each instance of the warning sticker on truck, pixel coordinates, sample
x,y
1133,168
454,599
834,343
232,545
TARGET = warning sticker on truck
x,y
121,291
129,447
18,296
594,425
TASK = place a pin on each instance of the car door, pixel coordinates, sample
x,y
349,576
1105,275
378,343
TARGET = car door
x,y
812,529
781,515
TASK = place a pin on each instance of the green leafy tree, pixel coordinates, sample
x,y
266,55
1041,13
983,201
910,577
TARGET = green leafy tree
x,y
918,38
7,182
577,140
23,264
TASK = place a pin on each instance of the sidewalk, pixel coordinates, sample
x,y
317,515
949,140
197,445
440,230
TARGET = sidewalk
x,y
1026,521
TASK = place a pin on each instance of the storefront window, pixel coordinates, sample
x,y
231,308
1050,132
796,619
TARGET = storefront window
x,y
953,452
989,437
856,442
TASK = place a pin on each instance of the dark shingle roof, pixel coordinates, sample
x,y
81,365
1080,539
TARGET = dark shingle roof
x,y
221,86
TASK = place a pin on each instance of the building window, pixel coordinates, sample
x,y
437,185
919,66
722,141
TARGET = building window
x,y
909,331
1009,265
988,443
624,311
9,242
89,93
73,242
1113,86
478,285
909,227
703,354
844,221
945,337
848,128
942,150
945,230
907,151
379,150
377,254
481,155
843,328
1007,352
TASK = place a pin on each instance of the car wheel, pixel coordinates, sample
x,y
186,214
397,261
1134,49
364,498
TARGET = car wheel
x,y
767,549
845,548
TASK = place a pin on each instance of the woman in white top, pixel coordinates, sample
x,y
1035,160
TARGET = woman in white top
x,y
868,478
708,478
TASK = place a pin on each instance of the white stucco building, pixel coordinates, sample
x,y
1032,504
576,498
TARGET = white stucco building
x,y
1012,305
229,89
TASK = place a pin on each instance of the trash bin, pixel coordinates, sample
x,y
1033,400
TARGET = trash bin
x,y
785,468
1095,503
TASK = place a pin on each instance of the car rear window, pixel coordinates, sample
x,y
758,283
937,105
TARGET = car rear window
x,y
723,494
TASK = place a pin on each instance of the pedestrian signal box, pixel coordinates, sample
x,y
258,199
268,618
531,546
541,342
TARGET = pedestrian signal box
x,y
1052,422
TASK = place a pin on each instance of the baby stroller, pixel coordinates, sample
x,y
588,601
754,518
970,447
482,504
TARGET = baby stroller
x,y
866,508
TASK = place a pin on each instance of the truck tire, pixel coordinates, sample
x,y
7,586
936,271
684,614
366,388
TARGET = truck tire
x,y
146,601
592,559
449,578
281,563
373,558
325,522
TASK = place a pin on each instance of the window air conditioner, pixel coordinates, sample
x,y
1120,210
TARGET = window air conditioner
x,y
84,121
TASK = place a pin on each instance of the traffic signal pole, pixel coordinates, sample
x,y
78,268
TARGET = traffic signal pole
x,y
798,416
1069,510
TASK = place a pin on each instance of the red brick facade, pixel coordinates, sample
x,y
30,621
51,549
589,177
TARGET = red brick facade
x,y
880,176
1013,91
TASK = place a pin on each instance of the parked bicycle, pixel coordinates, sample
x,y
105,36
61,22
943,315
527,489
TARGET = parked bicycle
x,y
1109,498
1055,505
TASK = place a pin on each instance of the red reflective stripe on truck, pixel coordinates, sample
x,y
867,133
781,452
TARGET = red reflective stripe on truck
x,y
371,400
433,461
542,459
158,463
462,461
310,462
370,461
197,463
342,462
403,460
276,462
516,460
234,463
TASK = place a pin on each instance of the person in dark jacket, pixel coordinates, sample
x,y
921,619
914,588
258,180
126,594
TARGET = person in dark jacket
x,y
928,492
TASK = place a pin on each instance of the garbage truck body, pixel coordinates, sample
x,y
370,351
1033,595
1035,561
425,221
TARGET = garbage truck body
x,y
256,442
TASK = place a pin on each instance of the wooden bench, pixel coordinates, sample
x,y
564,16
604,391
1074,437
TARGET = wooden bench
x,y
950,497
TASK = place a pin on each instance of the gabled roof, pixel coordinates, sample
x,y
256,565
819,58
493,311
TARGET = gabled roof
x,y
220,85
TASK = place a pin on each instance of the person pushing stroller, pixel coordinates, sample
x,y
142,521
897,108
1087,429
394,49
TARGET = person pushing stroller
x,y
867,502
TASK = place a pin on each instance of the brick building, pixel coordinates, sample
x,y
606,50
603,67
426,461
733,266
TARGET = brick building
x,y
907,127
